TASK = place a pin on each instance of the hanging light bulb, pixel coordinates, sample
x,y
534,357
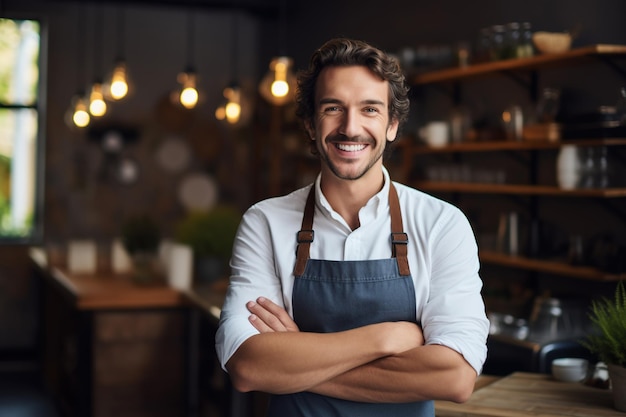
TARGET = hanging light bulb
x,y
278,85
118,87
220,112
80,115
97,105
232,110
188,94
280,88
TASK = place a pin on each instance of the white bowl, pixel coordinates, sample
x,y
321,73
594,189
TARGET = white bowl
x,y
570,369
552,42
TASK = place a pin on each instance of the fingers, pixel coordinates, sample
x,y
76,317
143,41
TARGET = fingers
x,y
261,314
259,324
279,312
268,316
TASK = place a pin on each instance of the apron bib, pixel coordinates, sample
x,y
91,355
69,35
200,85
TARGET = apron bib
x,y
332,296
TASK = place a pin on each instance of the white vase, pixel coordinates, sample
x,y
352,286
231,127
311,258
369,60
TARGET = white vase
x,y
617,374
568,167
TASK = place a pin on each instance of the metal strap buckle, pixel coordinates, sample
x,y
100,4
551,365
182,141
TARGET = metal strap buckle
x,y
399,238
305,236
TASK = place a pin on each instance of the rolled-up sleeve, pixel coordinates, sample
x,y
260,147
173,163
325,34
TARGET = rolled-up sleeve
x,y
454,315
253,274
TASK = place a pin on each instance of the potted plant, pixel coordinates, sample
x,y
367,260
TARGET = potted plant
x,y
141,238
210,234
609,343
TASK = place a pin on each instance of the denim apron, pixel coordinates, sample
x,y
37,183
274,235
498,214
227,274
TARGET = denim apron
x,y
332,296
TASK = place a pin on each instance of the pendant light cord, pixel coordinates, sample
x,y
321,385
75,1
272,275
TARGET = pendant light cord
x,y
97,43
235,48
80,48
282,28
190,41
121,34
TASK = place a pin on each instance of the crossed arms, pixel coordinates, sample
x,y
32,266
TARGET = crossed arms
x,y
384,362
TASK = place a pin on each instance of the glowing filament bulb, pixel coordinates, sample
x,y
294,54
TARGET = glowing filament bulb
x,y
280,88
97,105
81,116
232,109
119,83
188,95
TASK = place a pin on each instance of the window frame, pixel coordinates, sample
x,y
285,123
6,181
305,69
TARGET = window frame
x,y
36,235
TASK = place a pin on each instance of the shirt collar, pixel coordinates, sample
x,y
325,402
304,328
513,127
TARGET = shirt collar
x,y
377,205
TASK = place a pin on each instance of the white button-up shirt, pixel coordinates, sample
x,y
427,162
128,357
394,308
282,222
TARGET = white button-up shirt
x,y
442,254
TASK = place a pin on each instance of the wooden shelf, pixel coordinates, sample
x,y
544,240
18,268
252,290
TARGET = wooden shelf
x,y
552,267
478,188
583,55
508,145
538,61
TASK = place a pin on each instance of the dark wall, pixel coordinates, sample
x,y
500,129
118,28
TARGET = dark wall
x,y
395,24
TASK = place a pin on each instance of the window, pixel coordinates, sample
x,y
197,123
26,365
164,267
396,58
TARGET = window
x,y
20,138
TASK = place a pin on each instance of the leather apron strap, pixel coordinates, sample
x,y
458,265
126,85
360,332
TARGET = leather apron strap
x,y
399,239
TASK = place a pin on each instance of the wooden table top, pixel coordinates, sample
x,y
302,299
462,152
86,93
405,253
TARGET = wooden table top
x,y
107,290
529,394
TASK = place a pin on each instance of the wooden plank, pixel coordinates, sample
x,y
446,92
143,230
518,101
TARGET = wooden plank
x,y
113,291
517,189
526,394
537,61
507,145
553,267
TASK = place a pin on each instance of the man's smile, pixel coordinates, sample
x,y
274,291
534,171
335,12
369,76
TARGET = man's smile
x,y
350,147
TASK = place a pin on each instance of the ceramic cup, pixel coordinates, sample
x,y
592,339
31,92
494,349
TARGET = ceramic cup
x,y
435,133
570,369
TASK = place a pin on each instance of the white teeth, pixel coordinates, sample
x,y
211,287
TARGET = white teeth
x,y
350,148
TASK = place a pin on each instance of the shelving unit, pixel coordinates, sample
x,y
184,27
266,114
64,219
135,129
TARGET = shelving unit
x,y
552,267
607,54
571,57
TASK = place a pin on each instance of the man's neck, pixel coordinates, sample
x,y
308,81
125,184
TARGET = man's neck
x,y
348,197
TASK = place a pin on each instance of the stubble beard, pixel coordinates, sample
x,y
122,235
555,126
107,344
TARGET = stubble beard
x,y
350,175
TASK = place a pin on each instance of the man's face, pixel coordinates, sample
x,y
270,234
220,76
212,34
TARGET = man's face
x,y
351,123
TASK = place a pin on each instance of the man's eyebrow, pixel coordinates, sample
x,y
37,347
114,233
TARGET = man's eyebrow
x,y
337,101
330,101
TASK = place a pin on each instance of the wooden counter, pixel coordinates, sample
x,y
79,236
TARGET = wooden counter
x,y
528,394
105,290
208,298
111,347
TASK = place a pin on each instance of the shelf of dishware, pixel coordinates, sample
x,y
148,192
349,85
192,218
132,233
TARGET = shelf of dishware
x,y
504,145
549,266
517,189
529,63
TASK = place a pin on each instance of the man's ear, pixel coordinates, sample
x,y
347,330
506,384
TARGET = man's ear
x,y
309,129
392,130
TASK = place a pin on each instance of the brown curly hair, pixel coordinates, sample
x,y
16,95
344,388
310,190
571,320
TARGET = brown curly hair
x,y
345,52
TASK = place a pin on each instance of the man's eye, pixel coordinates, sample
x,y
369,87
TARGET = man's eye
x,y
331,109
371,110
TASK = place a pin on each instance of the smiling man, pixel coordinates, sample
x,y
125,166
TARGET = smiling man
x,y
356,295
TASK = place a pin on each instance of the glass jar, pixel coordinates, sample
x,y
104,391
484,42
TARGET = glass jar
x,y
511,40
548,105
620,107
525,48
594,167
568,169
483,46
496,43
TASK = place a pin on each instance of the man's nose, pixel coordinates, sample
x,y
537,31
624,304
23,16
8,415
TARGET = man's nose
x,y
350,126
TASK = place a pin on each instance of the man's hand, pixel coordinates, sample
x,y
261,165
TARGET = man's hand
x,y
268,316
